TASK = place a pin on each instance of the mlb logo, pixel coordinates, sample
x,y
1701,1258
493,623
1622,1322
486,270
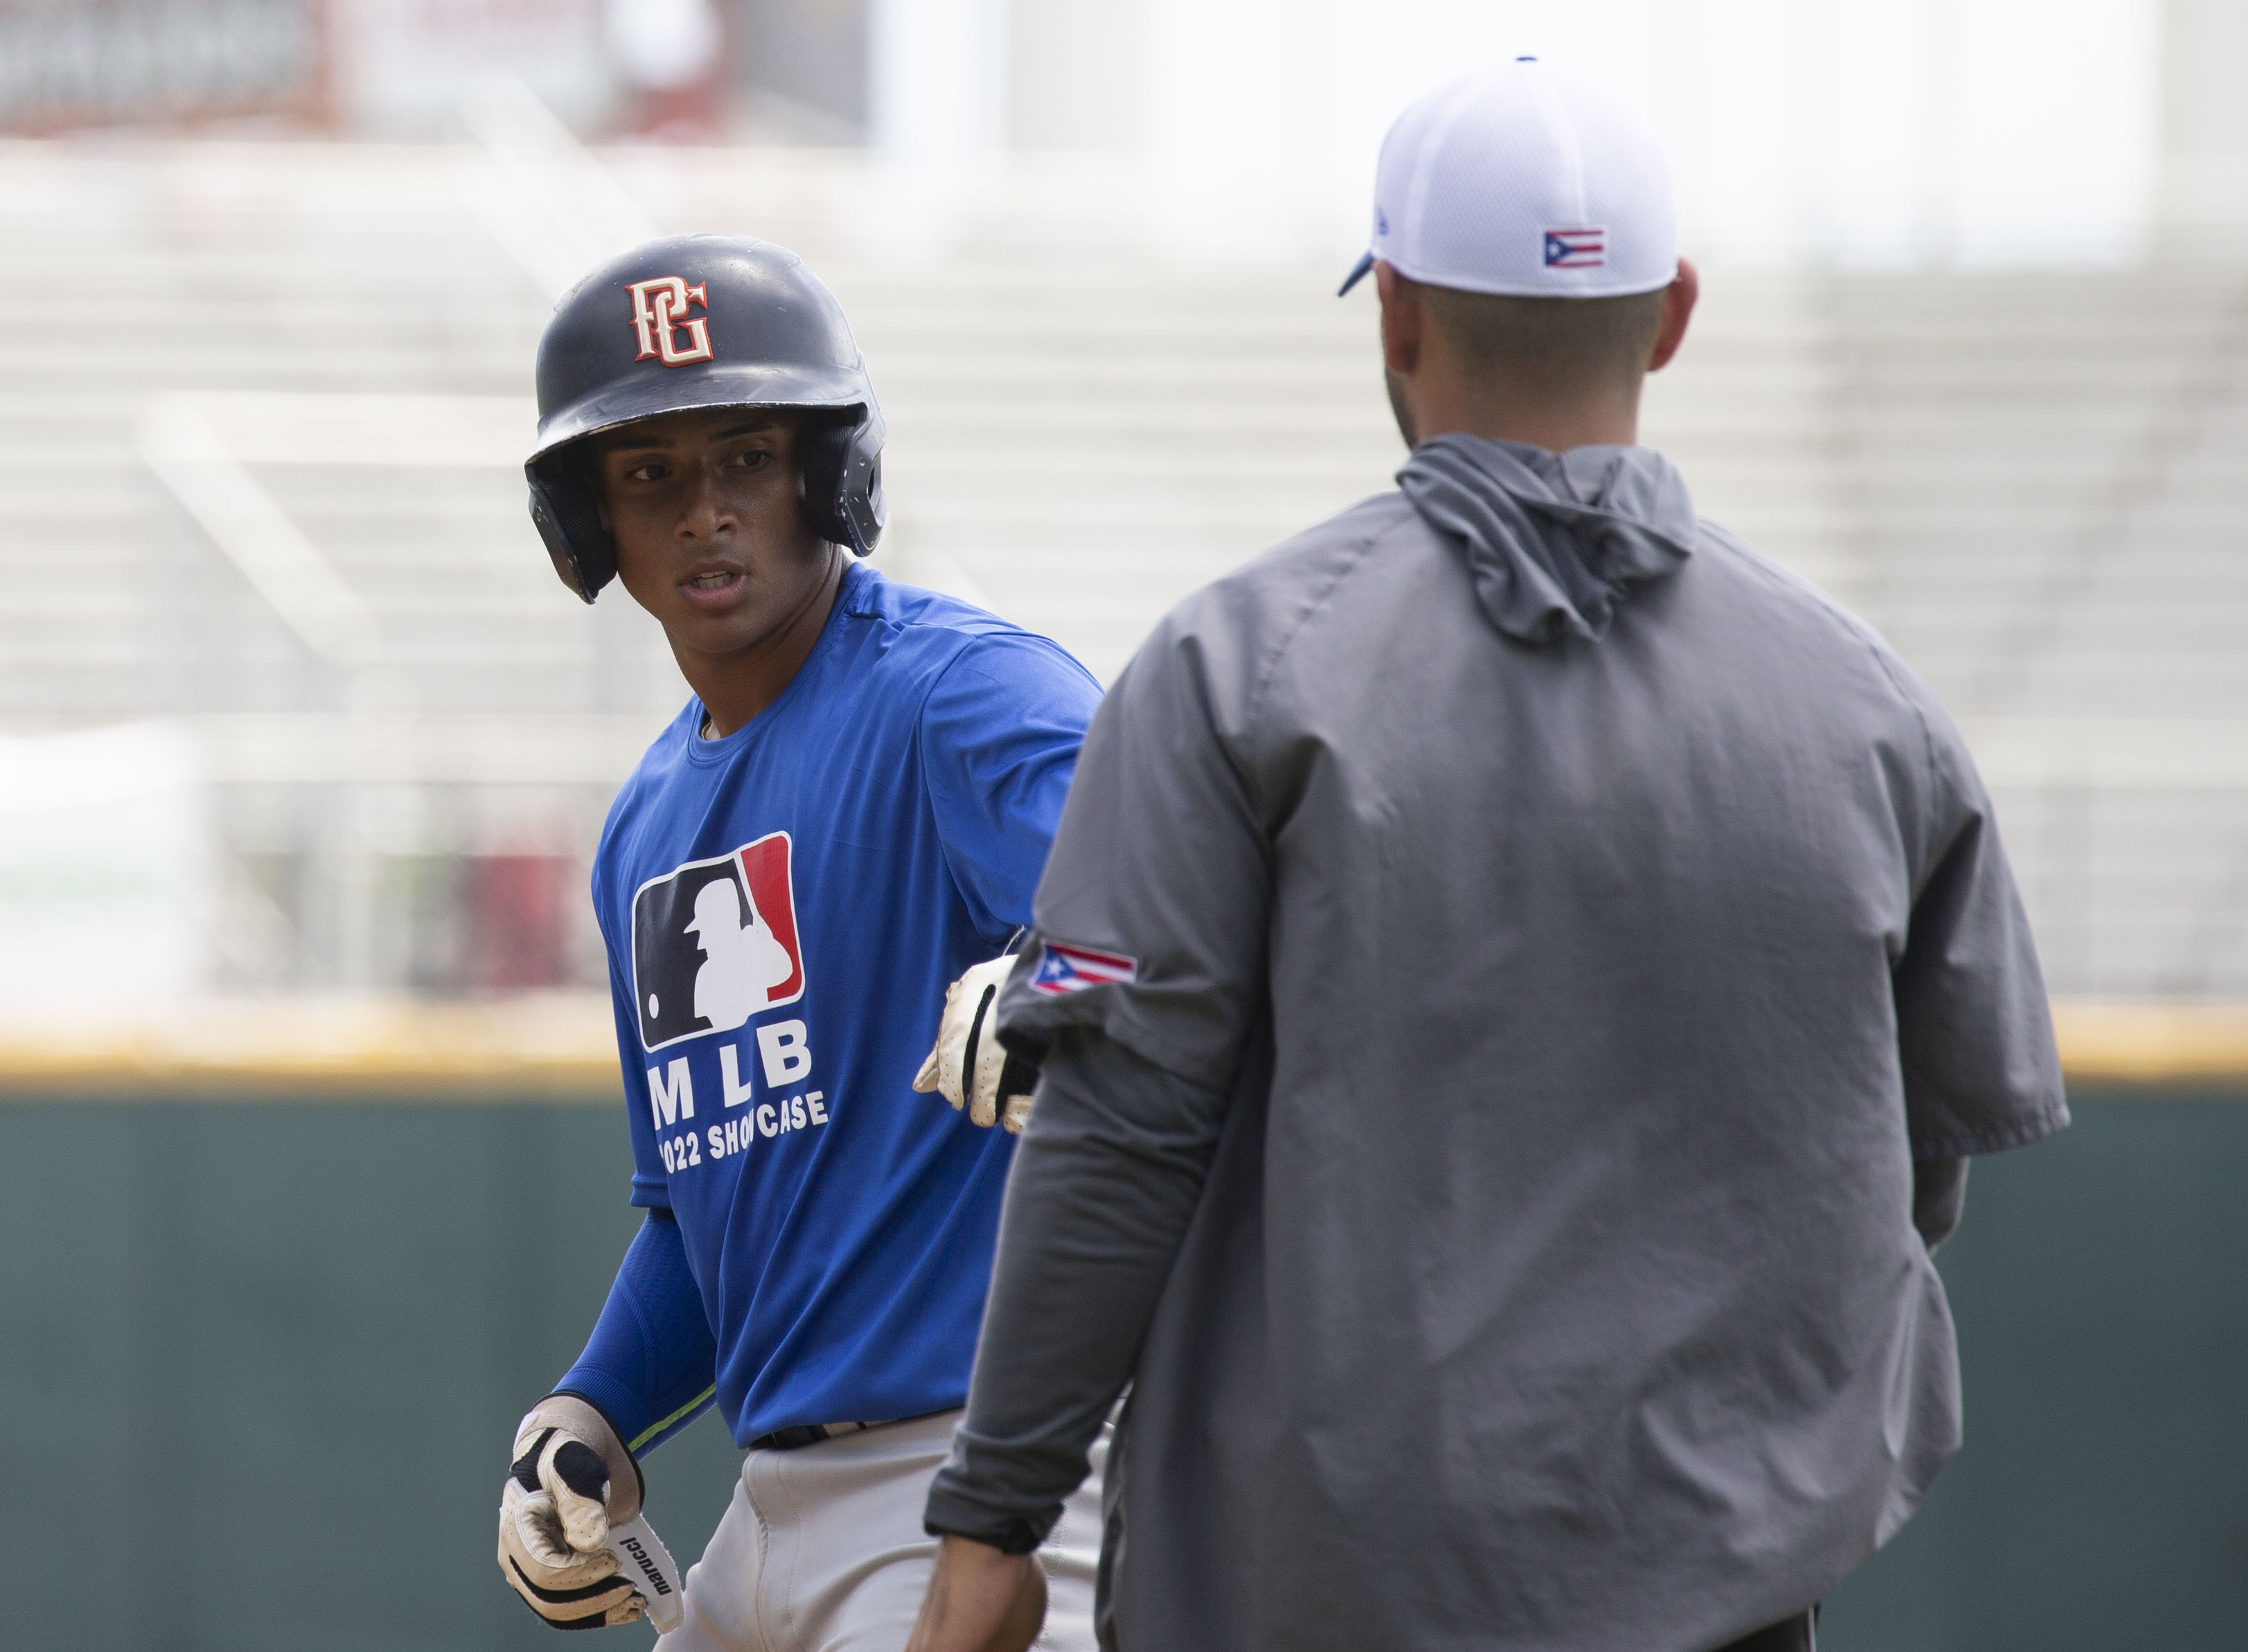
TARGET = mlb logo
x,y
714,942
1576,249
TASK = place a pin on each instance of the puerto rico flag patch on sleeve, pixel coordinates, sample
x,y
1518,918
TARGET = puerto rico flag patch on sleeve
x,y
1073,969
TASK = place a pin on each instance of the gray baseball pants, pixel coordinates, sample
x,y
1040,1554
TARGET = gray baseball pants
x,y
822,1550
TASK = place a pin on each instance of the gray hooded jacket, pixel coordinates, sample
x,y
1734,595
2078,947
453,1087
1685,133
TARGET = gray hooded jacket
x,y
1503,953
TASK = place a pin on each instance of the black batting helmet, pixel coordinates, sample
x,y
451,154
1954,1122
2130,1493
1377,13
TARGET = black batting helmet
x,y
691,322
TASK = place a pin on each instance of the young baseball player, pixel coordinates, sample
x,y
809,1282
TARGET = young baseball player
x,y
852,809
1519,976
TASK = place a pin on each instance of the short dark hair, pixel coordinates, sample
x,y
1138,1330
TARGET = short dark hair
x,y
1556,344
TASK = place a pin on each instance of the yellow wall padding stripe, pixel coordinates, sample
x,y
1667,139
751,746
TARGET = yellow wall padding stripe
x,y
562,1047
655,1429
2174,1043
557,1047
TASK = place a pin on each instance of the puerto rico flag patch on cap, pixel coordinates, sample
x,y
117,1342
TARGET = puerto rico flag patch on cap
x,y
1073,969
1576,249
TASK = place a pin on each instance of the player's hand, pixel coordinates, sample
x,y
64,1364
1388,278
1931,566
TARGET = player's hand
x,y
970,1066
980,1600
554,1513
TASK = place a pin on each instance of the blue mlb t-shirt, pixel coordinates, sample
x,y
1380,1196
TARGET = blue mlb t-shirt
x,y
784,910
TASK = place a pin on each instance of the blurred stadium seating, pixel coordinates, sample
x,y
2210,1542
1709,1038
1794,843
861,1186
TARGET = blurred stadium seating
x,y
256,478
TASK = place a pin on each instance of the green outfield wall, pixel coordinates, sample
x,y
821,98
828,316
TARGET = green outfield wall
x,y
259,1363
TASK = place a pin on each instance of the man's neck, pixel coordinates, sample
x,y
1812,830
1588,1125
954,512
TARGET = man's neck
x,y
1556,429
735,688
1436,408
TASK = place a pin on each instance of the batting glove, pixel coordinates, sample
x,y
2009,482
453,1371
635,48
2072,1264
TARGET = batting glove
x,y
970,1066
571,1480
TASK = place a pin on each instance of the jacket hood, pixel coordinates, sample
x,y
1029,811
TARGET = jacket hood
x,y
1554,541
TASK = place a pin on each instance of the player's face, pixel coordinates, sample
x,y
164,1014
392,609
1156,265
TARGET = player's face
x,y
707,515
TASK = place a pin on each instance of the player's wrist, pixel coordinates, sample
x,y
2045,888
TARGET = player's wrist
x,y
976,1557
1001,1534
575,1414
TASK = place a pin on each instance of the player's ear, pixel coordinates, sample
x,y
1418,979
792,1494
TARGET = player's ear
x,y
1403,321
1677,310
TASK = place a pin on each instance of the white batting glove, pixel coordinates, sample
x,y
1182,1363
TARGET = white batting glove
x,y
571,1479
970,1066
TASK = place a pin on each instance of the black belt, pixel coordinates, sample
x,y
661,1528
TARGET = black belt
x,y
803,1434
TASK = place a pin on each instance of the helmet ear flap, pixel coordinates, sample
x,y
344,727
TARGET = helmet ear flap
x,y
843,480
859,496
568,517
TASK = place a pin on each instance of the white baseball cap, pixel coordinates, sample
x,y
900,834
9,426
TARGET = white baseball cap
x,y
1521,180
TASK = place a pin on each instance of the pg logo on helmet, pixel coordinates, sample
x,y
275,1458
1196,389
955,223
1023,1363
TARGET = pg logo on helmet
x,y
660,314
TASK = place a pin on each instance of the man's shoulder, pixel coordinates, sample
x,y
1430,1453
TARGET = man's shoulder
x,y
952,675
1314,557
1274,592
662,768
666,754
1826,661
1765,594
1772,583
1228,636
923,631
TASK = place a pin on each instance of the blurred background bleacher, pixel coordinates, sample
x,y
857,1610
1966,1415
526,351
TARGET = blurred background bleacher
x,y
2033,482
303,749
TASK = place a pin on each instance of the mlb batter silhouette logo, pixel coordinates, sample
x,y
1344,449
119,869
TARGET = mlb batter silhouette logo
x,y
714,942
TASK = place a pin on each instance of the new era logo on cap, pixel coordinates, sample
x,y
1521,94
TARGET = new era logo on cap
x,y
714,942
1576,249
1073,969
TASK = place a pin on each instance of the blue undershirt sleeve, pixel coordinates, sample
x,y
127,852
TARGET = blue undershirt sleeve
x,y
651,1364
